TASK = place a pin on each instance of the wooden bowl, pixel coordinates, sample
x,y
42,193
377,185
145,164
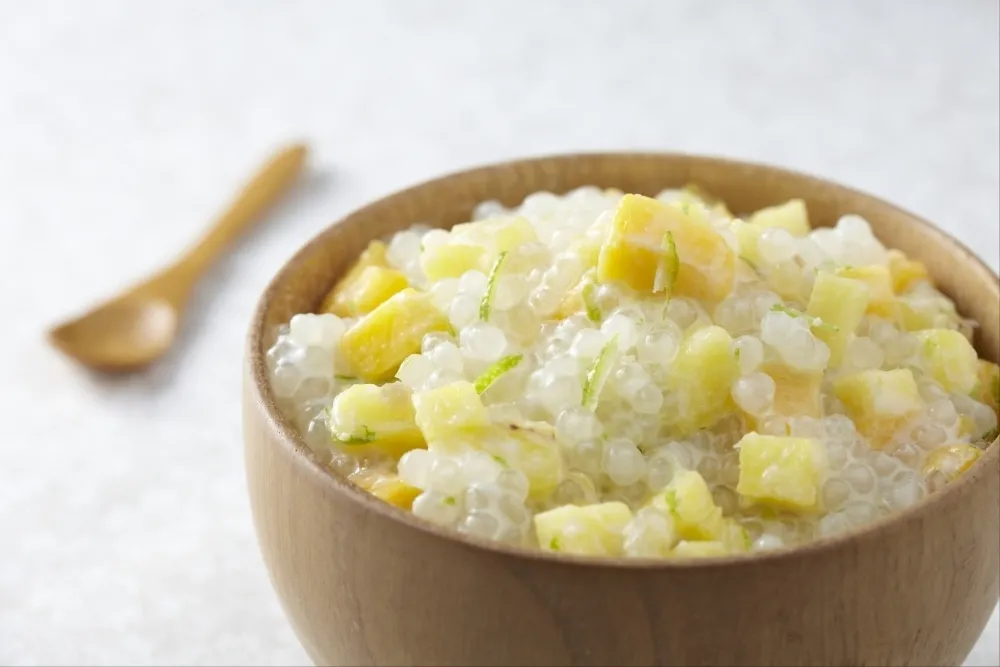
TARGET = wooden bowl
x,y
364,583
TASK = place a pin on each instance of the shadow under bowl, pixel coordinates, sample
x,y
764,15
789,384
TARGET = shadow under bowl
x,y
364,583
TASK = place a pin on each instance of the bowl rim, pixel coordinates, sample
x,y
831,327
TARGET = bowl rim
x,y
303,458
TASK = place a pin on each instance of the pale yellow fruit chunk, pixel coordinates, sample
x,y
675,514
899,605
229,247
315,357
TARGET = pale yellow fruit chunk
x,y
700,378
451,260
781,471
951,461
841,304
442,412
593,530
791,216
382,339
796,393
881,298
394,491
373,255
905,272
689,549
637,249
366,417
690,504
950,359
879,402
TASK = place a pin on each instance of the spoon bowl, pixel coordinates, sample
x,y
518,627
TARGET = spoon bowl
x,y
120,336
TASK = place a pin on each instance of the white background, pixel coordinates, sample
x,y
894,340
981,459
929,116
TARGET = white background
x,y
125,536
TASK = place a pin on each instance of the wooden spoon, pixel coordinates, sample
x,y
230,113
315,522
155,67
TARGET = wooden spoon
x,y
137,327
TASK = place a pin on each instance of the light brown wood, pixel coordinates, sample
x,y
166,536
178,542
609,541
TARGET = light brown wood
x,y
364,583
139,326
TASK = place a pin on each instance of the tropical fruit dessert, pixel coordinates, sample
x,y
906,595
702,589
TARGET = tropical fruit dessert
x,y
610,374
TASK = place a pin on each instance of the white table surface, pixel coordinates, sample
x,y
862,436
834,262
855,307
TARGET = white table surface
x,y
125,535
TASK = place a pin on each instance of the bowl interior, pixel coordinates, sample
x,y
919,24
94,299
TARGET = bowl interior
x,y
449,200
303,282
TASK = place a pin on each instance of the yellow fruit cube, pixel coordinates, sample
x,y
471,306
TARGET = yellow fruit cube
x,y
796,393
500,235
881,298
367,417
382,339
373,255
371,288
791,216
688,500
781,471
950,359
394,491
700,378
748,237
687,549
916,312
451,260
535,454
951,461
449,409
593,530
841,304
879,402
647,237
905,272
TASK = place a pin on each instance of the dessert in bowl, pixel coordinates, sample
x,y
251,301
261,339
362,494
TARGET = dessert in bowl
x,y
617,388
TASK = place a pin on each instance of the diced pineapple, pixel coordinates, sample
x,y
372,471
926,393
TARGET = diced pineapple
x,y
378,344
449,409
638,247
841,303
748,238
879,402
394,491
791,216
916,312
373,255
905,272
790,282
951,461
591,530
700,378
371,288
690,504
987,388
500,235
950,359
538,456
881,298
687,549
781,471
796,393
371,417
451,260
694,193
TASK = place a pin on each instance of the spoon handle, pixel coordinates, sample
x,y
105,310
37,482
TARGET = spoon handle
x,y
259,194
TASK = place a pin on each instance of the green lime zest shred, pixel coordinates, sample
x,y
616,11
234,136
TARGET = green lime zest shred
x,y
491,285
590,301
366,435
668,266
598,373
491,374
814,322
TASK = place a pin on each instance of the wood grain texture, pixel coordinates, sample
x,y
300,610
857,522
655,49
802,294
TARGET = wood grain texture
x,y
364,583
